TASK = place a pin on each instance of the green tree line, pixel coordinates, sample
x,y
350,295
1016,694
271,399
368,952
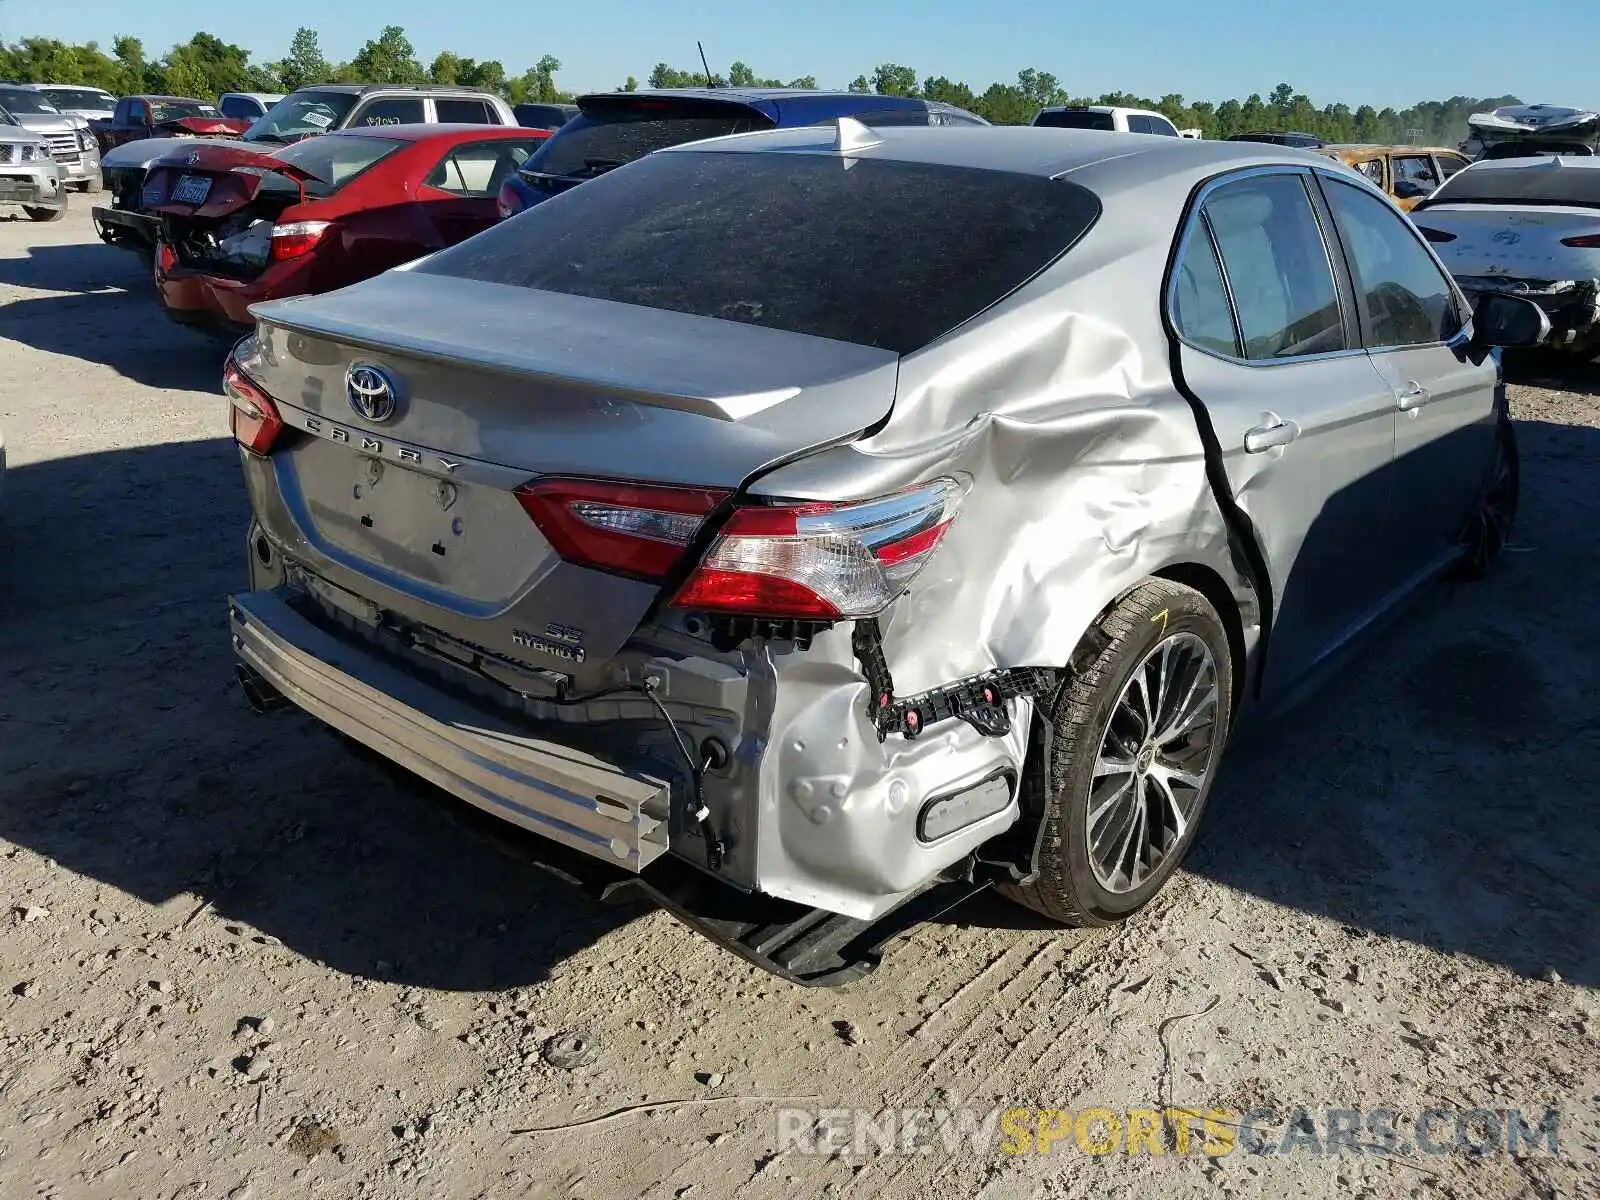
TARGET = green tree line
x,y
206,66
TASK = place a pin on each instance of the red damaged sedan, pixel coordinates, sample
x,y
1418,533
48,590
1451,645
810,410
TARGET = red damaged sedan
x,y
240,226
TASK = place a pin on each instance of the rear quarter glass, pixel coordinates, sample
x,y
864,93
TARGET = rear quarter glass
x,y
807,244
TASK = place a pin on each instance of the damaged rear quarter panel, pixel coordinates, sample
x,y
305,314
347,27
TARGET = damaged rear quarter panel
x,y
1087,474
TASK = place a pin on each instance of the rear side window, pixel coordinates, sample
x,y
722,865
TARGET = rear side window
x,y
1277,267
466,112
1075,119
1539,181
1200,308
1449,164
610,135
398,111
1408,300
1415,168
874,252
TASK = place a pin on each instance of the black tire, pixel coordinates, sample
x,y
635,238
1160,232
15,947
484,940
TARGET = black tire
x,y
1066,888
1490,527
45,214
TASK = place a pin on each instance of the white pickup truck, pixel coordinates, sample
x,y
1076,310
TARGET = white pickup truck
x,y
1107,117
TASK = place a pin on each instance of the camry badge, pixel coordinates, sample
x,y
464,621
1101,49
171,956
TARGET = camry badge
x,y
370,391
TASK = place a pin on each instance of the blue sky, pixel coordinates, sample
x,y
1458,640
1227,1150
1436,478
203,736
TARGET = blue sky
x,y
1361,51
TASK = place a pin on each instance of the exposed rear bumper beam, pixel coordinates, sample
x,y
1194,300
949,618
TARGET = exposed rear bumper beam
x,y
558,792
118,227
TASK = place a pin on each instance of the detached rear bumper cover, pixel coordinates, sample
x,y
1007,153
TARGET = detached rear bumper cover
x,y
560,793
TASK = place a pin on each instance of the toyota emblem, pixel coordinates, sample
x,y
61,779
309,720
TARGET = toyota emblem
x,y
370,391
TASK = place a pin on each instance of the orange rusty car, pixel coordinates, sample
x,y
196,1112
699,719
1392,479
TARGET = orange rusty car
x,y
1407,173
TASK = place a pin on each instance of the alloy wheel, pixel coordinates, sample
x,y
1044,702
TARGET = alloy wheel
x,y
1154,758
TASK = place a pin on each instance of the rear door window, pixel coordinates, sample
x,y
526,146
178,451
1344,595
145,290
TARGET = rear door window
x,y
870,251
612,134
1449,164
1415,168
466,112
396,110
1277,267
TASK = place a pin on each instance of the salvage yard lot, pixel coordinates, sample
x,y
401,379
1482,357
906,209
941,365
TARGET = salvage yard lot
x,y
237,961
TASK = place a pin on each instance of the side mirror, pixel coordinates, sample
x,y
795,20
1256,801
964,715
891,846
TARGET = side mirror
x,y
1409,189
1509,322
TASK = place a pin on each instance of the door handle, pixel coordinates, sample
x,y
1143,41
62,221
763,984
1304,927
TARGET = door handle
x,y
1411,397
1276,432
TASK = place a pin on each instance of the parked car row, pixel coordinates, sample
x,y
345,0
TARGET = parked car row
x,y
817,522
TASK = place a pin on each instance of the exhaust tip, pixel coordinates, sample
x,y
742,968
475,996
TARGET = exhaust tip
x,y
262,697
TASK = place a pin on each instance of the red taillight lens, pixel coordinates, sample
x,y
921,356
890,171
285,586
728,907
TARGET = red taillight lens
x,y
254,417
296,239
822,561
1436,235
1584,241
631,529
506,202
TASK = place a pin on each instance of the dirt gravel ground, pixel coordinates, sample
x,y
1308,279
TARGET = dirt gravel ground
x,y
236,961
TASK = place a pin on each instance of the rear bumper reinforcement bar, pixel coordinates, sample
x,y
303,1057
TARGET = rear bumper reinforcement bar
x,y
560,793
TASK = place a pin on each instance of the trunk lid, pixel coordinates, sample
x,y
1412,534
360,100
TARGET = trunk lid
x,y
494,385
219,203
1513,241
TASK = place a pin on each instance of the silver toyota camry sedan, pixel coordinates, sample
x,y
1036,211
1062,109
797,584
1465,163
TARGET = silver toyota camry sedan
x,y
818,525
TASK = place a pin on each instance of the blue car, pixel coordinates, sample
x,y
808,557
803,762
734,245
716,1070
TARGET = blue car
x,y
612,129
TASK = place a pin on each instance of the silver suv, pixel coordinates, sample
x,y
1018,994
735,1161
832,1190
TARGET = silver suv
x,y
29,176
71,145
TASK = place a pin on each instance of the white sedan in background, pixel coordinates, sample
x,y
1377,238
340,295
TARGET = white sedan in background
x,y
1526,227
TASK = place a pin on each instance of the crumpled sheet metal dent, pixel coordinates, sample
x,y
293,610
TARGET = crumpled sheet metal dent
x,y
1083,453
838,809
1087,473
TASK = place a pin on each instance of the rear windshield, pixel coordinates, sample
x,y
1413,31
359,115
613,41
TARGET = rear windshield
x,y
1541,182
301,114
1075,120
176,111
610,134
79,98
335,160
875,252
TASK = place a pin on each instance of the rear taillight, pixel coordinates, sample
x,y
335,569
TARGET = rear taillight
x,y
296,239
506,202
1436,235
1584,241
254,417
822,561
631,529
